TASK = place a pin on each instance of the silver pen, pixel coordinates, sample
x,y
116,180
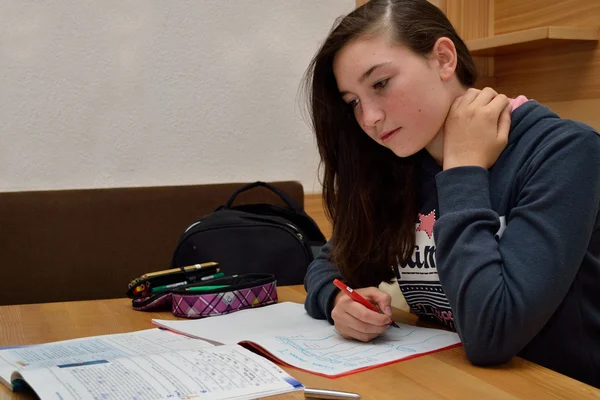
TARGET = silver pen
x,y
329,394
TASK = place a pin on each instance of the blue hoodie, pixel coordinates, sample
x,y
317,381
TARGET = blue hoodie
x,y
508,257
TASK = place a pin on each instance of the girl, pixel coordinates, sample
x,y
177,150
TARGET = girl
x,y
484,208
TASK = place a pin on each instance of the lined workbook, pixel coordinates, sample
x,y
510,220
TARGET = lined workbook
x,y
149,364
285,333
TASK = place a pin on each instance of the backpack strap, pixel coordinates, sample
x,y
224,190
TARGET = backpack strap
x,y
290,202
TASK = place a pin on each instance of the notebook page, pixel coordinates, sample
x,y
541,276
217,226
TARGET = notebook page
x,y
223,372
287,332
247,325
323,351
105,347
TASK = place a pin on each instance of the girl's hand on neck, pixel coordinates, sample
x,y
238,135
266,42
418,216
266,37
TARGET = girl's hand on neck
x,y
476,129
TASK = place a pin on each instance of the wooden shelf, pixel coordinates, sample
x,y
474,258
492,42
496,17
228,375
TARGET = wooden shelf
x,y
530,39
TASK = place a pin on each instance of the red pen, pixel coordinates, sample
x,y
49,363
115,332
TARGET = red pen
x,y
358,298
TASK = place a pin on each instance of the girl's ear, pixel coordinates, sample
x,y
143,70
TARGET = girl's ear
x,y
444,58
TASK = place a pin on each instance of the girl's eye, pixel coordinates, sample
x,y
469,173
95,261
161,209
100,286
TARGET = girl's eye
x,y
353,103
380,84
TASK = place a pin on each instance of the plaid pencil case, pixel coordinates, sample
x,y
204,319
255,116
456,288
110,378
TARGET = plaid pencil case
x,y
212,297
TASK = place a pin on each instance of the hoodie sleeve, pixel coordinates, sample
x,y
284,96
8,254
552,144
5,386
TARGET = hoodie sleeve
x,y
319,285
502,292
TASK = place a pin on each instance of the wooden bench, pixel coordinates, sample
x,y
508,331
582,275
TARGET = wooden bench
x,y
64,245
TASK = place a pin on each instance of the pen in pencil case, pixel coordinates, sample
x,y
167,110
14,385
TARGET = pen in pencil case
x,y
206,288
189,268
359,299
179,284
213,276
168,287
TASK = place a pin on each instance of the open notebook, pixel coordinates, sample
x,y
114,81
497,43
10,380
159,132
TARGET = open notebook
x,y
149,364
285,333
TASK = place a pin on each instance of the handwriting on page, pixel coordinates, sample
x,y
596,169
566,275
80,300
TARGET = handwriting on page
x,y
196,373
214,373
287,332
109,347
325,351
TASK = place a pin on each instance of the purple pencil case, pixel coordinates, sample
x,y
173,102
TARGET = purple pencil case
x,y
214,297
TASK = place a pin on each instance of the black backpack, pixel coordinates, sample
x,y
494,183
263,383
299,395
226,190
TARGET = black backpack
x,y
253,238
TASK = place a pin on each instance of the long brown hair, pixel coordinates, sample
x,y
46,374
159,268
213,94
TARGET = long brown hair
x,y
368,191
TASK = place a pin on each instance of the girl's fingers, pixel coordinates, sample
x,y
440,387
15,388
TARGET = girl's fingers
x,y
484,97
469,96
498,104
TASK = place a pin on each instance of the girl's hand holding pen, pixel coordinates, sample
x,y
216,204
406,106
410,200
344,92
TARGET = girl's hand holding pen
x,y
355,321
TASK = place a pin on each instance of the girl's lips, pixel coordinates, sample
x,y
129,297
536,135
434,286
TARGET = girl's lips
x,y
388,136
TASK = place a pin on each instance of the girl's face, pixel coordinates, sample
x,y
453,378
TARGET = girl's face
x,y
400,99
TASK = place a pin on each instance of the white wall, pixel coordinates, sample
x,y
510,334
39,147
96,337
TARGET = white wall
x,y
112,93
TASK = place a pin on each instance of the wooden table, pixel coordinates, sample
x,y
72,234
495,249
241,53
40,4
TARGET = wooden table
x,y
443,375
